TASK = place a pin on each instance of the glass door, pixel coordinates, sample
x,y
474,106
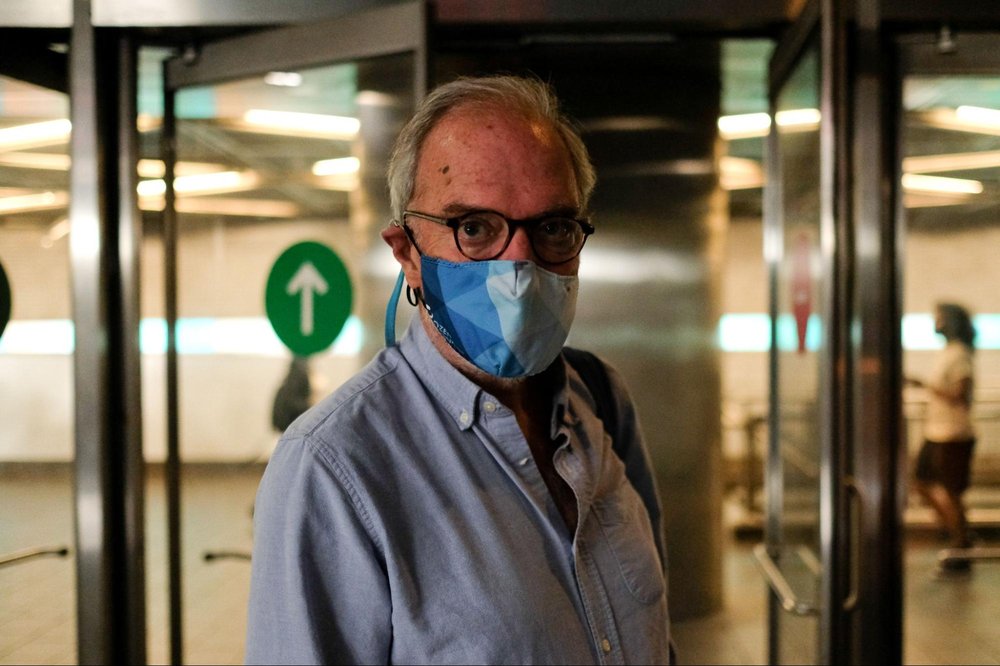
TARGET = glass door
x,y
813,506
275,140
792,558
37,577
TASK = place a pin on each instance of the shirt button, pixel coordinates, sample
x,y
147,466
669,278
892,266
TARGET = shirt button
x,y
464,417
606,645
490,407
523,461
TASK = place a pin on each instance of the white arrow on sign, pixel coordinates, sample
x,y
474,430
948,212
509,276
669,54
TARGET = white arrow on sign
x,y
308,281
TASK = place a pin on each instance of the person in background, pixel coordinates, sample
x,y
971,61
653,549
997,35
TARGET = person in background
x,y
294,396
472,495
943,465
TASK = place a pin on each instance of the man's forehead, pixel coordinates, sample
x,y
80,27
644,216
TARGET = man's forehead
x,y
482,156
492,118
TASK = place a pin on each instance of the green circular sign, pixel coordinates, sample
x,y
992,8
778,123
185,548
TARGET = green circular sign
x,y
4,300
308,297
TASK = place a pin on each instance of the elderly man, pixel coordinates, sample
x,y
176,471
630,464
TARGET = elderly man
x,y
470,496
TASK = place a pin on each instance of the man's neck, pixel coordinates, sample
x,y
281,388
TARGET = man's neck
x,y
528,397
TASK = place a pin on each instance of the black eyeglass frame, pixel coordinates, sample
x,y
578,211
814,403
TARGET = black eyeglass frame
x,y
455,222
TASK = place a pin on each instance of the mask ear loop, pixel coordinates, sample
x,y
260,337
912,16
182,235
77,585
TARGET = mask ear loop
x,y
413,296
390,311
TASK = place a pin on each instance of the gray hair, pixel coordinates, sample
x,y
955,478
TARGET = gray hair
x,y
530,97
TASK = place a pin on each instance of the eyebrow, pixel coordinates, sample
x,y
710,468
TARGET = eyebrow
x,y
457,209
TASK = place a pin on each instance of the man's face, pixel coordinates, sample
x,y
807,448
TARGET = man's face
x,y
476,159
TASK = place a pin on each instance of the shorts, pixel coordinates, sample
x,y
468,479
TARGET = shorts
x,y
946,463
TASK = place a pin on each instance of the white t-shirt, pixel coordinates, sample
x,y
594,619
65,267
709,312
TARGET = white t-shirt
x,y
949,419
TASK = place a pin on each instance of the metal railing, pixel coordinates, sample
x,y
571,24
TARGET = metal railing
x,y
20,556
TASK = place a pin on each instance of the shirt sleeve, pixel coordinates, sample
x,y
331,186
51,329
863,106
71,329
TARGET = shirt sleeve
x,y
318,589
953,368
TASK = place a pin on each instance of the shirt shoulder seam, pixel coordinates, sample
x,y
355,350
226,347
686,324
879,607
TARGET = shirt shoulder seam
x,y
323,455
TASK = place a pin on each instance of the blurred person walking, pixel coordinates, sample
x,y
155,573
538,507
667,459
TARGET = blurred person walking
x,y
943,465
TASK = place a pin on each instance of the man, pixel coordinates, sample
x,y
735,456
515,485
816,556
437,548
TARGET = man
x,y
459,500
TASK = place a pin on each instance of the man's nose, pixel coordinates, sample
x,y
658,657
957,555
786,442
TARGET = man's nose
x,y
519,248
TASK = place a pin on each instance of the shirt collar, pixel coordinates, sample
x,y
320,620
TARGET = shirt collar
x,y
460,395
456,392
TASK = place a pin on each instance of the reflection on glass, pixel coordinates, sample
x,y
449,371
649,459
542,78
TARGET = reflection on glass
x,y
37,590
799,287
264,162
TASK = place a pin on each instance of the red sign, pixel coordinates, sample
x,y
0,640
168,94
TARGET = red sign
x,y
801,287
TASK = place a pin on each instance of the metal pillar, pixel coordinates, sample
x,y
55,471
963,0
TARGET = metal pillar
x,y
104,251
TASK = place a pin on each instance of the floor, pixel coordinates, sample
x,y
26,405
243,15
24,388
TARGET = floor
x,y
948,620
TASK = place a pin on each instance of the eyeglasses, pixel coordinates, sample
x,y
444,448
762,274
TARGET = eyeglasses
x,y
482,235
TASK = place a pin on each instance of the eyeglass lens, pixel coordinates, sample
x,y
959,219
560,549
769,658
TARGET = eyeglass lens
x,y
484,235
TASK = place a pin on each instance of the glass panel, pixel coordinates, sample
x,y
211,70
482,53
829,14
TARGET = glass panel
x,y
800,322
264,163
37,594
951,193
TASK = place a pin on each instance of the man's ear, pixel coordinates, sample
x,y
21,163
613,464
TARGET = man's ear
x,y
405,254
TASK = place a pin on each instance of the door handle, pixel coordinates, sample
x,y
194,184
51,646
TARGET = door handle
x,y
856,503
779,584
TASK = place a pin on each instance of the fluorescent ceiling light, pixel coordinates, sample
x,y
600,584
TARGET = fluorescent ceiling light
x,y
744,126
738,173
375,98
34,135
803,119
146,122
221,206
157,169
915,182
27,203
301,124
986,159
283,79
337,166
45,161
61,162
748,125
979,115
206,183
964,119
932,200
345,182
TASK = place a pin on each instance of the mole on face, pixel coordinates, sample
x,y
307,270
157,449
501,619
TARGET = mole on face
x,y
445,168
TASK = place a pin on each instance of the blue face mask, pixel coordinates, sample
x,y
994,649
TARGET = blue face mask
x,y
509,318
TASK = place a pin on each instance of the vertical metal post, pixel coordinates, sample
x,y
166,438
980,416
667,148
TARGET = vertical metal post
x,y
773,473
834,647
172,469
877,348
104,258
130,399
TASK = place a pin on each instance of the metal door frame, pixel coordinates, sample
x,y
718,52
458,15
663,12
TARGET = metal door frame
x,y
817,26
858,517
400,28
866,50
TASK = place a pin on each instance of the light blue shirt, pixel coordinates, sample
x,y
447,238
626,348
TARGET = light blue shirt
x,y
403,520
